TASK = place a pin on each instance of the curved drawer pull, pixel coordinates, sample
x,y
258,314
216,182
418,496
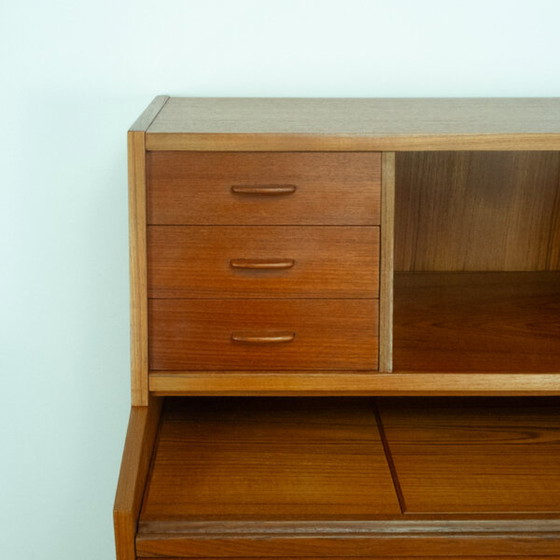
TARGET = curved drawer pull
x,y
262,264
263,189
263,338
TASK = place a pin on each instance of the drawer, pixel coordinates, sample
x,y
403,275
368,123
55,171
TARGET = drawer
x,y
294,188
263,262
263,334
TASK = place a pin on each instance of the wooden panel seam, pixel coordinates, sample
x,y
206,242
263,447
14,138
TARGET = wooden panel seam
x,y
389,456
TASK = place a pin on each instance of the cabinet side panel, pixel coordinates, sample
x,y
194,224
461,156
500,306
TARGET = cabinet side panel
x,y
140,437
138,268
386,262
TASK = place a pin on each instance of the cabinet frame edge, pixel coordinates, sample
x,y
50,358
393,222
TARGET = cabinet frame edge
x,y
137,250
340,383
138,268
386,262
137,454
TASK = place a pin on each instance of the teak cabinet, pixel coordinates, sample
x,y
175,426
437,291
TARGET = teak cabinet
x,y
345,319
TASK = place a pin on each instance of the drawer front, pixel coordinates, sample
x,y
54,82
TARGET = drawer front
x,y
263,334
263,262
197,188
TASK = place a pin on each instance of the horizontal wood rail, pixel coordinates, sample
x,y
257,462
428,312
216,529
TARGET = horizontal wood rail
x,y
306,383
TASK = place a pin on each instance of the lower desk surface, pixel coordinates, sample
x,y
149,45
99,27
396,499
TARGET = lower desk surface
x,y
265,477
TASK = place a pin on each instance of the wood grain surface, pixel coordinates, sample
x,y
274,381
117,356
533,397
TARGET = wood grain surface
x,y
197,334
140,438
306,383
394,558
220,459
382,547
477,211
196,188
138,268
308,477
324,262
247,299
357,124
475,455
136,140
143,122
387,262
477,322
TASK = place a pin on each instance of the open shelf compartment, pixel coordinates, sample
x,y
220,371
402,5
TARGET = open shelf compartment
x,y
477,262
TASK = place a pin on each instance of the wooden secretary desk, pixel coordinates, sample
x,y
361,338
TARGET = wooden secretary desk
x,y
345,330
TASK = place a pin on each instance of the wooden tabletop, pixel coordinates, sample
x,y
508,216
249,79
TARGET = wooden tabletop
x,y
354,123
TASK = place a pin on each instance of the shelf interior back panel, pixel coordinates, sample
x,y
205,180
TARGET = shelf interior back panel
x,y
477,211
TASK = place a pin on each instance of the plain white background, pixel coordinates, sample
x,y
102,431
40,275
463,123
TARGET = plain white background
x,y
75,76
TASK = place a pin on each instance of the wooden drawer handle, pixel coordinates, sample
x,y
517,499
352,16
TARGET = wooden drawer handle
x,y
262,264
266,190
260,338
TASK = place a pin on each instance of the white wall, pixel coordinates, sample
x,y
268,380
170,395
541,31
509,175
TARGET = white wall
x,y
75,76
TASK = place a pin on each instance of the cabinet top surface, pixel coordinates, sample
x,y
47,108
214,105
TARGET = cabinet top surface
x,y
353,123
